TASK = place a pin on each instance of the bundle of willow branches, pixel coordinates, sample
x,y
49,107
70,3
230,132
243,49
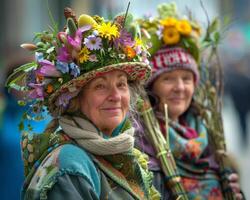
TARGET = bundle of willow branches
x,y
162,148
209,98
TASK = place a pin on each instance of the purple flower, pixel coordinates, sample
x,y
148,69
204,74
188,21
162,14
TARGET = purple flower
x,y
159,31
76,42
37,92
47,69
125,39
92,42
63,54
63,99
75,71
138,50
62,66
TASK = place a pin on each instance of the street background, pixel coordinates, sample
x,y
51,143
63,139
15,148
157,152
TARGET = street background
x,y
22,18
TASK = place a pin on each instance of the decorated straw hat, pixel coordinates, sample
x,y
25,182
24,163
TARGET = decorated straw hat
x,y
66,60
174,41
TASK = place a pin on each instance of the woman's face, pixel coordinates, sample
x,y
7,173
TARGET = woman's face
x,y
105,100
175,89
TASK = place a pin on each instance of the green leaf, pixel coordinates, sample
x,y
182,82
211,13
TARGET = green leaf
x,y
71,26
216,37
21,103
214,26
21,126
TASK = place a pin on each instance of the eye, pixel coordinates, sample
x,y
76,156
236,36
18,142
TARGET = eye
x,y
188,78
168,78
100,86
122,84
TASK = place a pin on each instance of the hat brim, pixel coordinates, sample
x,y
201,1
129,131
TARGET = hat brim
x,y
136,71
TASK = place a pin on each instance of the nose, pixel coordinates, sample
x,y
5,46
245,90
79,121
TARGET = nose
x,y
179,85
114,94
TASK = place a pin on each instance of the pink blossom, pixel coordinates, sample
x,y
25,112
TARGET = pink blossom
x,y
47,69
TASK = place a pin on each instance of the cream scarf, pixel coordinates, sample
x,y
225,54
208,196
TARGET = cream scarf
x,y
86,135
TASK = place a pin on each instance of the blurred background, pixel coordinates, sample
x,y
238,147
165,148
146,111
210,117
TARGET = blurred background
x,y
22,18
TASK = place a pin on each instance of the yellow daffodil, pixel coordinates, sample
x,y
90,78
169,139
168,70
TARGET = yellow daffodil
x,y
168,22
84,55
171,36
108,30
184,27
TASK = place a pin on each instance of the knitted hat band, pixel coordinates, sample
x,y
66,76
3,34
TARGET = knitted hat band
x,y
169,59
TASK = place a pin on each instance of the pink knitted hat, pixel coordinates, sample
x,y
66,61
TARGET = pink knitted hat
x,y
171,58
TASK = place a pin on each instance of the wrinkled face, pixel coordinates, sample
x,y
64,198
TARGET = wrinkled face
x,y
105,100
175,89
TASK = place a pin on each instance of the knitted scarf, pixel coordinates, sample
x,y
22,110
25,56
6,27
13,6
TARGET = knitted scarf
x,y
190,147
115,156
87,136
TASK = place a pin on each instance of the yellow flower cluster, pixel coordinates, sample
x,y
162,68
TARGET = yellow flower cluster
x,y
108,30
173,29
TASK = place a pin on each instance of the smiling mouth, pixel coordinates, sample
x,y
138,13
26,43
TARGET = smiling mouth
x,y
115,108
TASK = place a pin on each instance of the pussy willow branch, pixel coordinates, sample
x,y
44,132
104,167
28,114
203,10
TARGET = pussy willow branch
x,y
162,148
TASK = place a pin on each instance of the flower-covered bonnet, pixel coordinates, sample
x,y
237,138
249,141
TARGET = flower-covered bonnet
x,y
174,41
66,60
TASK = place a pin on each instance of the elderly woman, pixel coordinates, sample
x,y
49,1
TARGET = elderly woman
x,y
173,83
87,78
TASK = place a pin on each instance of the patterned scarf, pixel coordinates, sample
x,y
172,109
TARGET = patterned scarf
x,y
195,163
115,156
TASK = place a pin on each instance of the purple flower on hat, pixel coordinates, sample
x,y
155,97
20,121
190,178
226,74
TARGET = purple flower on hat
x,y
63,54
37,92
138,49
62,66
63,99
124,39
47,69
76,42
92,42
75,71
159,31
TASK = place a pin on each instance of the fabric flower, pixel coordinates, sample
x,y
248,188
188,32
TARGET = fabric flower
x,y
108,30
92,42
184,27
84,55
47,69
62,66
171,36
74,69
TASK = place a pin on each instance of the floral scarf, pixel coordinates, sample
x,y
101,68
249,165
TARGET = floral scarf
x,y
195,163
